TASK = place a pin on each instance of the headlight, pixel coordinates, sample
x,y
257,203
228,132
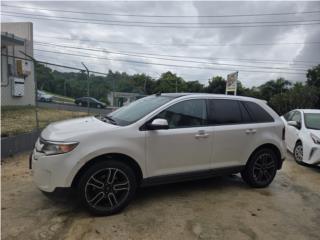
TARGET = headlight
x,y
315,139
52,148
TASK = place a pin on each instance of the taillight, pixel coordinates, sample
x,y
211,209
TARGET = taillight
x,y
283,133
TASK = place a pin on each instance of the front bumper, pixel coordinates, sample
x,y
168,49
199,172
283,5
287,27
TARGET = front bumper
x,y
311,154
49,172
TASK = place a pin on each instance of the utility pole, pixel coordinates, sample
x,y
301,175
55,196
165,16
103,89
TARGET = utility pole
x,y
113,86
35,89
176,85
64,88
88,87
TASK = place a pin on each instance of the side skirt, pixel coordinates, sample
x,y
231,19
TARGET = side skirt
x,y
189,176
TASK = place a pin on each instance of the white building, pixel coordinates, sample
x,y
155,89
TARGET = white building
x,y
17,75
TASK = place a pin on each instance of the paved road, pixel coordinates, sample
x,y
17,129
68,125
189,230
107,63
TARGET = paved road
x,y
218,208
73,107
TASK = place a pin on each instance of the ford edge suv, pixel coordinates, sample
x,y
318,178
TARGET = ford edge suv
x,y
158,139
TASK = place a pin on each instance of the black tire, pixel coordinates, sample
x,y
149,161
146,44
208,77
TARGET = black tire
x,y
107,187
298,153
261,168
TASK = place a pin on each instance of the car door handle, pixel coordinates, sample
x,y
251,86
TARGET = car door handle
x,y
202,134
248,131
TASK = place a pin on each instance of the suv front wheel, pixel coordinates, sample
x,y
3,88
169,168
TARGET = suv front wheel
x,y
107,187
261,168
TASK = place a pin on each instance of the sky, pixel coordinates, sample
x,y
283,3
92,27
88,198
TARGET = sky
x,y
206,46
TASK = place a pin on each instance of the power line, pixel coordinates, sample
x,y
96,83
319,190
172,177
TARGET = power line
x,y
164,16
60,19
180,44
170,65
168,59
153,54
168,23
54,64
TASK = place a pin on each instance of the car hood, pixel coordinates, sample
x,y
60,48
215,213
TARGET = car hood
x,y
75,129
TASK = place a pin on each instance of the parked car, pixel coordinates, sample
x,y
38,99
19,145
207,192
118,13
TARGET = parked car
x,y
83,101
44,97
303,135
159,139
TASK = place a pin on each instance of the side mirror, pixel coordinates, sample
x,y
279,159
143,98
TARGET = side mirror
x,y
158,124
294,124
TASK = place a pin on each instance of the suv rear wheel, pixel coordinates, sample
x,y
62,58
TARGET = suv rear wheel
x,y
107,187
261,168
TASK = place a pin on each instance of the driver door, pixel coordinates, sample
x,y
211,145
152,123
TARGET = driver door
x,y
293,132
185,146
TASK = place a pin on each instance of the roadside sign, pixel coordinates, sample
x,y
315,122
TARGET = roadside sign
x,y
231,83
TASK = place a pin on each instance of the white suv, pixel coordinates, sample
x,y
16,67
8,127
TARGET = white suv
x,y
159,139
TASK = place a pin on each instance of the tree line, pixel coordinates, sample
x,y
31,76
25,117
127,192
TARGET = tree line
x,y
281,94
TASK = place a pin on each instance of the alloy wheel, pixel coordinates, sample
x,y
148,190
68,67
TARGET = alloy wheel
x,y
264,168
298,153
107,189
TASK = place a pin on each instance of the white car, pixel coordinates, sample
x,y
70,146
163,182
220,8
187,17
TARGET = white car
x,y
44,97
303,135
159,139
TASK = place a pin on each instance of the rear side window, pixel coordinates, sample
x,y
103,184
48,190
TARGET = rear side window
x,y
257,113
223,111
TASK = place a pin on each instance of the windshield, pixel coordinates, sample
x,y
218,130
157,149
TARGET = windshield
x,y
312,120
138,109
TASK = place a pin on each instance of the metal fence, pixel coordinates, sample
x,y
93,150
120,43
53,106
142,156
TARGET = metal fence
x,y
61,92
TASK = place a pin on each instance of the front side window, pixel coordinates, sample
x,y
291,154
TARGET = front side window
x,y
224,111
138,109
288,115
189,113
312,120
296,117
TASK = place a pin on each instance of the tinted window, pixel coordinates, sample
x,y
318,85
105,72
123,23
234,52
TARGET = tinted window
x,y
223,111
244,113
189,113
257,113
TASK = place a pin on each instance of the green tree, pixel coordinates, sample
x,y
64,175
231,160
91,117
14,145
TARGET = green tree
x,y
170,82
216,84
274,87
313,76
299,96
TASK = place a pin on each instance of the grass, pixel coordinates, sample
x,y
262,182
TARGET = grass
x,y
16,120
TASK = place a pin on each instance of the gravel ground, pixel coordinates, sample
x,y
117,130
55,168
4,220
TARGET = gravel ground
x,y
218,208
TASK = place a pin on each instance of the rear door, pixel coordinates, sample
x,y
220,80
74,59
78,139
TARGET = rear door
x,y
232,138
239,127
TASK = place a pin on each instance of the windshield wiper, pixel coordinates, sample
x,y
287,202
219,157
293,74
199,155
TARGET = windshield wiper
x,y
106,118
110,119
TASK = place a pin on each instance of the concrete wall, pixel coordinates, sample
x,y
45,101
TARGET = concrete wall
x,y
23,30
